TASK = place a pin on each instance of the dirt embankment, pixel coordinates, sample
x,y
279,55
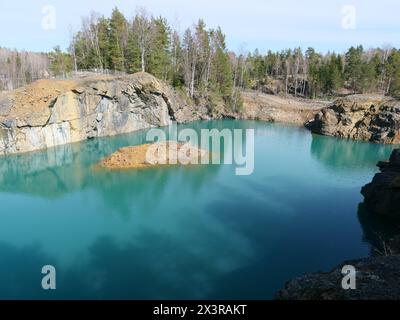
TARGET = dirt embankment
x,y
35,99
260,106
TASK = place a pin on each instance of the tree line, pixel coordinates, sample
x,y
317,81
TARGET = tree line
x,y
312,74
19,68
199,62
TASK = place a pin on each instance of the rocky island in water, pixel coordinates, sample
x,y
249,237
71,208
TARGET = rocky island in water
x,y
154,155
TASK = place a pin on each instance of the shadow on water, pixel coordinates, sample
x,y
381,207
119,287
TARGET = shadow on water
x,y
377,230
149,266
154,265
348,155
20,272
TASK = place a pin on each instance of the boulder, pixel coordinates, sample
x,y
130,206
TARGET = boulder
x,y
371,118
382,195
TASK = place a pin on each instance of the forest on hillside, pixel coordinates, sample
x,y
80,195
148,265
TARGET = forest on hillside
x,y
19,68
199,62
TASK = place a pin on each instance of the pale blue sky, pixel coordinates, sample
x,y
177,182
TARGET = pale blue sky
x,y
249,24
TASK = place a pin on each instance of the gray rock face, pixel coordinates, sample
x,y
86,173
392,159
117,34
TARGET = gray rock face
x,y
376,279
95,108
382,195
360,117
5,105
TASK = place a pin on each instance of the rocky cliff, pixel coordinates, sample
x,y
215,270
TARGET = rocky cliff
x,y
360,117
50,113
382,195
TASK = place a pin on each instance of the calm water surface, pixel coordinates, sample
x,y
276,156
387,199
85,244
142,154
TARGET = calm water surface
x,y
184,233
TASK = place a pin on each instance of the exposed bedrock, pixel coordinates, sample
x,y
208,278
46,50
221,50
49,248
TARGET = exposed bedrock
x,y
50,113
382,195
361,117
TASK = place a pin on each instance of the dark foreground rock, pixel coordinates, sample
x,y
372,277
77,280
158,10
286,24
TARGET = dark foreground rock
x,y
377,279
382,195
361,117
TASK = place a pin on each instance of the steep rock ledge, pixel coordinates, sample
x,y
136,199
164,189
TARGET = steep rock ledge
x,y
50,113
361,117
382,195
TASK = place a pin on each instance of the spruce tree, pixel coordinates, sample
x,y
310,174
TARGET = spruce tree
x,y
159,58
221,70
354,67
118,28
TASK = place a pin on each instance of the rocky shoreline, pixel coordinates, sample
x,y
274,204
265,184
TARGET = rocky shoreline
x,y
382,195
378,278
372,118
50,113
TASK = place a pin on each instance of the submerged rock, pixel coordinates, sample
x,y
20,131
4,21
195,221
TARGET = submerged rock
x,y
377,278
361,117
382,195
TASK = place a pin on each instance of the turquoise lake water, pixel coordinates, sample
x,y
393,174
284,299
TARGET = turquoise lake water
x,y
184,233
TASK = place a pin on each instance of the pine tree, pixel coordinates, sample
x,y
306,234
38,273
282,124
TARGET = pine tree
x,y
133,53
189,61
354,67
104,39
61,63
159,59
313,61
177,77
393,67
221,70
118,32
204,57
